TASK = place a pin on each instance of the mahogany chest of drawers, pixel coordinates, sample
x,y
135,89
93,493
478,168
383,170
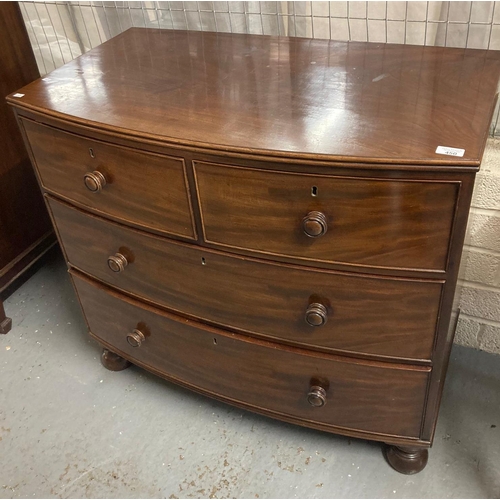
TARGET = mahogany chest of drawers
x,y
274,222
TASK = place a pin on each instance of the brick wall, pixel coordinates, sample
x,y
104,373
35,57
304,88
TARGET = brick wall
x,y
479,322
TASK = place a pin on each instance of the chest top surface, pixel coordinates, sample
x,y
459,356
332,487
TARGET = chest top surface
x,y
279,96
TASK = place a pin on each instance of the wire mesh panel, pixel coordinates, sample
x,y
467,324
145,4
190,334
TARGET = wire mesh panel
x,y
61,31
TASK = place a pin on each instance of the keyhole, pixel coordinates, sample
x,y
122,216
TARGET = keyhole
x,y
91,152
314,191
203,261
215,341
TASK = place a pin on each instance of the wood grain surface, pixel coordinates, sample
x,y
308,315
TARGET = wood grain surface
x,y
141,188
382,398
254,184
371,222
281,96
366,314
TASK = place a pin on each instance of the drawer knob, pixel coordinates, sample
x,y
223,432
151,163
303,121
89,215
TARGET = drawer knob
x,y
117,262
314,224
316,396
94,181
316,314
136,338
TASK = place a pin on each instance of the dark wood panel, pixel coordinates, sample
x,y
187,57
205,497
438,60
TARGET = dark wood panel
x,y
369,222
140,188
24,223
281,96
449,307
14,272
381,398
364,314
320,164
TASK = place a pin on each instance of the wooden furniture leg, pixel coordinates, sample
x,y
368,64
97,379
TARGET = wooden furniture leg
x,y
5,323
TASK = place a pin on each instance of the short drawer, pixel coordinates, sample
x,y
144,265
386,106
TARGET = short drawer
x,y
351,313
386,223
134,187
379,398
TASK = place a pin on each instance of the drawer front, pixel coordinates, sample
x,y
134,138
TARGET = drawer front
x,y
364,314
140,188
369,222
373,397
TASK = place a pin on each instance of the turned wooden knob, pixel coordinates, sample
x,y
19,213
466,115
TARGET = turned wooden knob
x,y
117,262
316,314
136,338
316,396
94,181
314,224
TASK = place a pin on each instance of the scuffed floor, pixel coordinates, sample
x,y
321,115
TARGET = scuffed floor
x,y
69,428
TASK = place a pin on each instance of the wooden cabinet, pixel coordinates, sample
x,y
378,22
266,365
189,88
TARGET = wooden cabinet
x,y
267,299
25,229
266,221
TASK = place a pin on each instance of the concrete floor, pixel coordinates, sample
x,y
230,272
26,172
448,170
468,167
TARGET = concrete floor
x,y
69,428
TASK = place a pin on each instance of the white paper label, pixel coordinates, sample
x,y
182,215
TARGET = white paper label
x,y
443,150
18,95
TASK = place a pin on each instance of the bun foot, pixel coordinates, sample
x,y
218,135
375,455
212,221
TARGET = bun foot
x,y
407,460
113,362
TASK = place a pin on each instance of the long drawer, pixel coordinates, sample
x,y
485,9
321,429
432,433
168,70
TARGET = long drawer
x,y
363,314
386,223
132,186
380,398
